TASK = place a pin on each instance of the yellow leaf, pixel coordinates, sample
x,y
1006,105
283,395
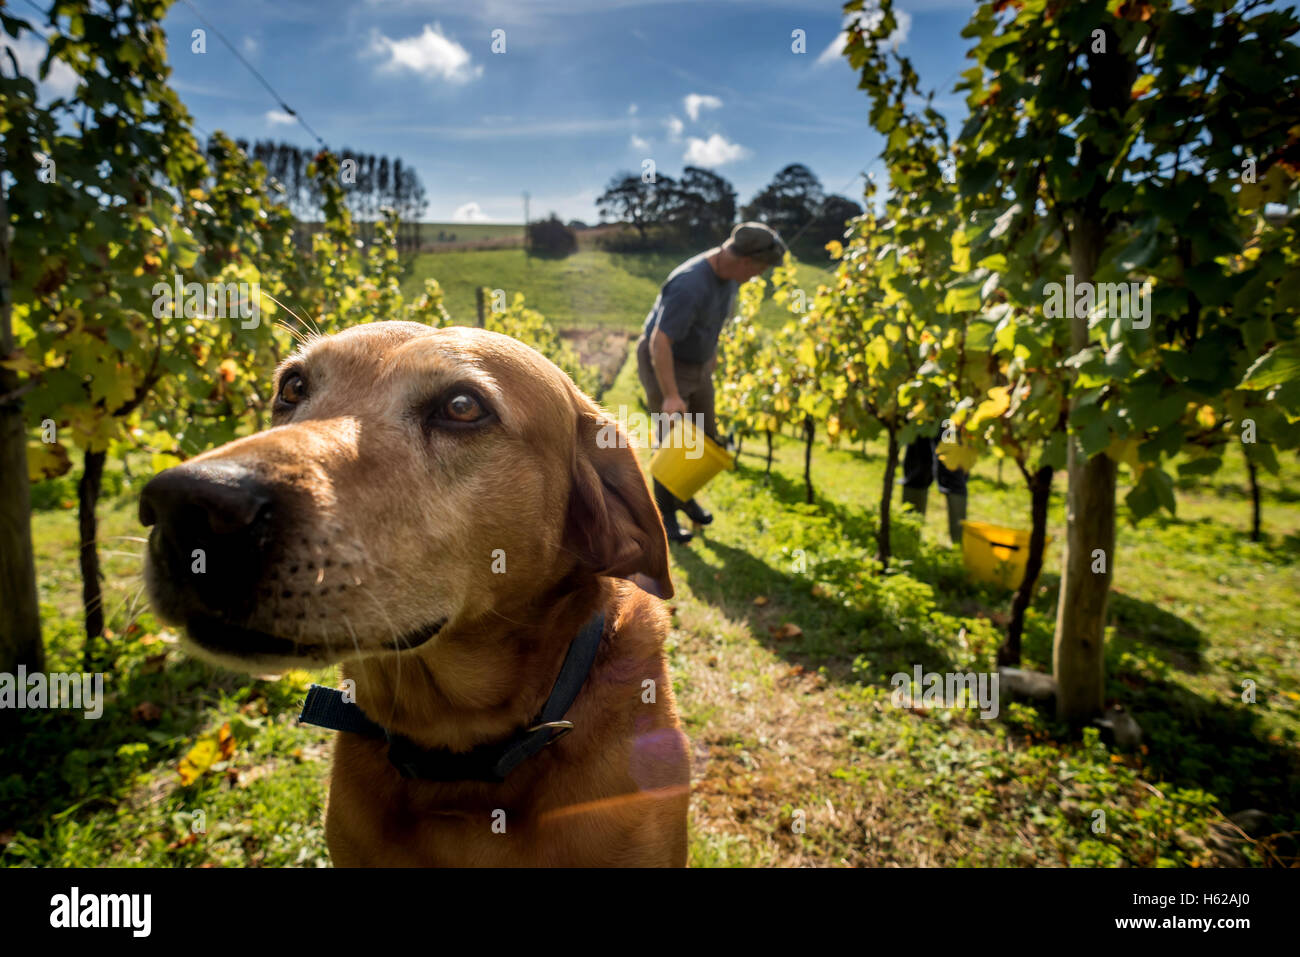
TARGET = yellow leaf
x,y
207,751
1142,85
21,362
807,352
998,402
1125,451
46,460
200,757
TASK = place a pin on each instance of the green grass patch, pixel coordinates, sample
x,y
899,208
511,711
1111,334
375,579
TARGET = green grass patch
x,y
590,288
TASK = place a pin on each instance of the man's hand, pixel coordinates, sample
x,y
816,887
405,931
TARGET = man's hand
x,y
674,404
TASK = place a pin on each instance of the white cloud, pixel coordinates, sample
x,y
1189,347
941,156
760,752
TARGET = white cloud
x,y
640,145
700,101
469,213
631,110
675,127
714,151
250,45
431,54
279,118
30,51
896,39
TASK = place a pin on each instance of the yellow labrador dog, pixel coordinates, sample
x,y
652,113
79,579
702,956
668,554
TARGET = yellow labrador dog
x,y
442,512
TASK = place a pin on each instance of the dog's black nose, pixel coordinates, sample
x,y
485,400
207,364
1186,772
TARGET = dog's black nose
x,y
211,525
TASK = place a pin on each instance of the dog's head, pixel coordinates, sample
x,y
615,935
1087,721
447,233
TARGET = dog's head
x,y
413,480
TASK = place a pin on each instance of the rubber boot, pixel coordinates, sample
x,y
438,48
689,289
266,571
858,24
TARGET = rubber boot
x,y
668,506
915,497
697,514
956,515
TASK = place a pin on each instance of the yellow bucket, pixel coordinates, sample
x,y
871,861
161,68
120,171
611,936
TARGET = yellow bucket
x,y
677,471
955,456
995,554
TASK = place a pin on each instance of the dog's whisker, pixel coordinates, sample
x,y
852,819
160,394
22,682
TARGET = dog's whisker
x,y
355,644
294,334
396,636
297,334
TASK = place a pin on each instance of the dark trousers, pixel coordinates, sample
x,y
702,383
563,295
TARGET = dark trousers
x,y
921,466
694,385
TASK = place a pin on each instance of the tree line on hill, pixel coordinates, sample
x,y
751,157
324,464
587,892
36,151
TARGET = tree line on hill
x,y
700,208
370,184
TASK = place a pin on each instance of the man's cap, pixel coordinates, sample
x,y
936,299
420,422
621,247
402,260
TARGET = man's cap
x,y
757,241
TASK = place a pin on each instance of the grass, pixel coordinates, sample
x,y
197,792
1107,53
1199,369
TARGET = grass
x,y
590,288
469,232
799,755
804,724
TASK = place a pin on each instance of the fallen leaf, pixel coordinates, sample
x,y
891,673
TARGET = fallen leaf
x,y
788,630
760,601
207,751
146,711
226,742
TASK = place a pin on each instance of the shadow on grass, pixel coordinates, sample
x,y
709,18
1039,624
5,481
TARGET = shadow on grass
x,y
1238,492
832,634
1220,747
58,762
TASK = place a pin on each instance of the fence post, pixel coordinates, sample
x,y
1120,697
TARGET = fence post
x,y
481,301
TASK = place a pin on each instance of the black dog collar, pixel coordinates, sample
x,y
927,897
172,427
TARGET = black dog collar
x,y
325,708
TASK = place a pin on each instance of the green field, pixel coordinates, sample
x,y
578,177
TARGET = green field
x,y
589,288
470,232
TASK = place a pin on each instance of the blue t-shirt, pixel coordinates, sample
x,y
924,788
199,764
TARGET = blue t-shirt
x,y
690,309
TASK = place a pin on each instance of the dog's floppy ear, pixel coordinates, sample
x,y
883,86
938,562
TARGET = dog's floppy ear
x,y
613,522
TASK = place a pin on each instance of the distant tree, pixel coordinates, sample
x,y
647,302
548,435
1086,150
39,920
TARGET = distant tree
x,y
630,199
828,226
379,183
576,224
788,203
706,205
550,237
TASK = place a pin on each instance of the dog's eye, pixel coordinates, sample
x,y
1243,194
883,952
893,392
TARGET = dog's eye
x,y
463,408
293,389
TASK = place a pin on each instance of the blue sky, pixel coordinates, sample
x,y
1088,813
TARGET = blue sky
x,y
584,88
